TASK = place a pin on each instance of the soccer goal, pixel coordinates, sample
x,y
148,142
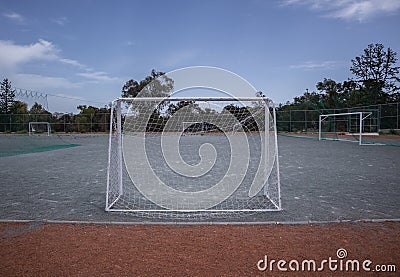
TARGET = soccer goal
x,y
39,128
154,169
352,126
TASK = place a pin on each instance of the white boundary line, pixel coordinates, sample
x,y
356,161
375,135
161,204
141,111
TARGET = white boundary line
x,y
45,221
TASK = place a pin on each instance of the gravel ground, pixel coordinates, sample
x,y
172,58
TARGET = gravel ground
x,y
320,181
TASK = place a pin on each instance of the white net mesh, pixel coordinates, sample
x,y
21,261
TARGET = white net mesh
x,y
191,158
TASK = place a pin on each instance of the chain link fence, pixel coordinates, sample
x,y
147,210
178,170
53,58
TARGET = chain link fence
x,y
386,116
61,123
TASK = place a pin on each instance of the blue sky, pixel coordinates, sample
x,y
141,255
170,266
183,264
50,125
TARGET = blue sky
x,y
88,49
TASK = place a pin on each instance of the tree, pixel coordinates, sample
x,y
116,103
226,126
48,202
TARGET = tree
x,y
92,119
155,85
38,114
7,95
19,111
37,109
376,73
244,116
332,93
19,107
173,108
308,101
86,110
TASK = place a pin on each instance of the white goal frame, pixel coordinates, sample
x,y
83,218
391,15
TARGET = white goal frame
x,y
117,177
361,117
31,130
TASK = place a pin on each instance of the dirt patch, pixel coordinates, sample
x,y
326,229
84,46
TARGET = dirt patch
x,y
180,250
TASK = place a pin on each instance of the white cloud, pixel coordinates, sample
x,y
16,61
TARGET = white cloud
x,y
13,55
73,63
43,57
41,82
17,18
360,10
310,65
89,72
98,76
66,96
60,20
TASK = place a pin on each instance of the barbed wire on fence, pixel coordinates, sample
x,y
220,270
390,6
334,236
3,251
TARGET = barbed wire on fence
x,y
32,96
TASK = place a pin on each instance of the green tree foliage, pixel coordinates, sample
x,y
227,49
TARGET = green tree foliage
x,y
7,95
91,119
38,109
331,96
244,116
19,107
376,82
154,85
38,114
19,116
308,101
157,84
173,108
376,73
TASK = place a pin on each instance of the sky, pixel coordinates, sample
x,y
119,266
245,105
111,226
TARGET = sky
x,y
83,51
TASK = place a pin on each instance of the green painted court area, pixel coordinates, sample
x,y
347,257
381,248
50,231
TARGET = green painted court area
x,y
13,145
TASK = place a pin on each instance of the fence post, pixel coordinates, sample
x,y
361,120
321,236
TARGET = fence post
x,y
305,120
379,116
105,123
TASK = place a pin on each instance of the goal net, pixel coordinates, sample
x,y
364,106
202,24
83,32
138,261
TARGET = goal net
x,y
193,128
227,165
39,128
360,127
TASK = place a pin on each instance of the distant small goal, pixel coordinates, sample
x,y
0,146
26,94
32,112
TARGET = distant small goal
x,y
352,126
39,128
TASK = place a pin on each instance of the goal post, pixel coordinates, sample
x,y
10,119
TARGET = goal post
x,y
351,126
39,128
232,167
